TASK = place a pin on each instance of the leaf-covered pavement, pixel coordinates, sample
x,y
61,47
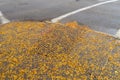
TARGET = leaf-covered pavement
x,y
46,51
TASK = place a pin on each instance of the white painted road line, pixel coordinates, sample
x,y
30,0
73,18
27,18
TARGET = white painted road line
x,y
79,10
3,19
117,35
103,0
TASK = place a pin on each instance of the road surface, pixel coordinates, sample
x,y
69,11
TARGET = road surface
x,y
104,18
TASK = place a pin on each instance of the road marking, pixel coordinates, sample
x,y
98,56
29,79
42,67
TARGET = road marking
x,y
103,0
3,19
117,35
79,10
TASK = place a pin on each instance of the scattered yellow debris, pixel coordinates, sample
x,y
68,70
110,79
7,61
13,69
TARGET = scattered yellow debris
x,y
45,51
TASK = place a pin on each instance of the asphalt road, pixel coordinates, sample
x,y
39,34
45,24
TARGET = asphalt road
x,y
105,18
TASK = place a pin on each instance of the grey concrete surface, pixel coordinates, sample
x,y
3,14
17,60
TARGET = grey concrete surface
x,y
39,9
105,18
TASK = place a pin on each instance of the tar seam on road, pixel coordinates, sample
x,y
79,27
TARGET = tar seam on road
x,y
3,19
81,9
